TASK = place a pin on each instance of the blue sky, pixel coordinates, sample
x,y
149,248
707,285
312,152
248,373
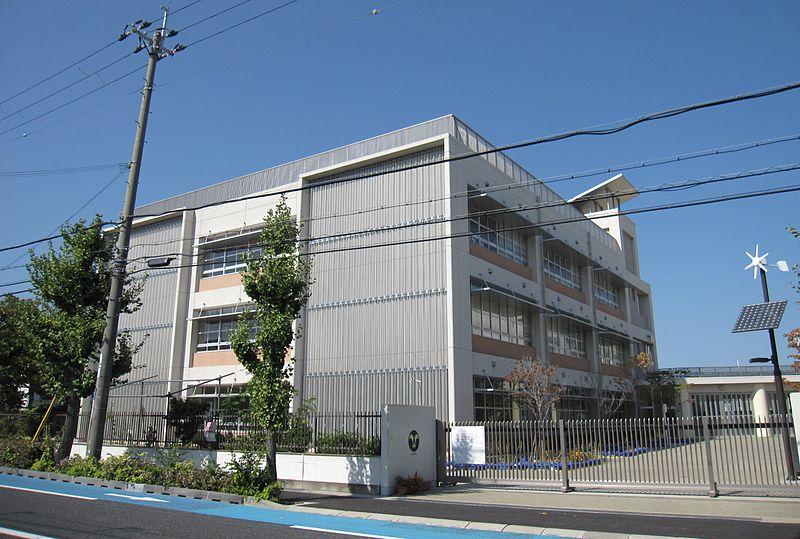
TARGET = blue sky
x,y
320,74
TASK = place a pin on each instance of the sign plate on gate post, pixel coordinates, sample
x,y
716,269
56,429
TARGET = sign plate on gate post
x,y
468,445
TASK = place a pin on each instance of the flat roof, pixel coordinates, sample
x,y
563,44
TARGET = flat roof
x,y
618,187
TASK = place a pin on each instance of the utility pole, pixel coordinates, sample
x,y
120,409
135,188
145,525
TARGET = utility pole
x,y
153,44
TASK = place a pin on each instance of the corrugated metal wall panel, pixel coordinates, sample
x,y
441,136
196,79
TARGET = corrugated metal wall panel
x,y
368,390
380,309
290,172
153,322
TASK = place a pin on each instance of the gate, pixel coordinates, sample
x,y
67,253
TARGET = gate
x,y
710,454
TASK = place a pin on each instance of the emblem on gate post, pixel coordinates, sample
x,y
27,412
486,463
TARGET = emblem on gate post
x,y
413,441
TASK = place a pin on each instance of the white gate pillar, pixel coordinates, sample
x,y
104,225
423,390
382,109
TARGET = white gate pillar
x,y
408,444
761,410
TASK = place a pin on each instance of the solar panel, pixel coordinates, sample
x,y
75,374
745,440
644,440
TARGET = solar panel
x,y
760,316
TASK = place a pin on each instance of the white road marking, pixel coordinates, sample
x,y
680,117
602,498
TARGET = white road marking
x,y
143,498
48,492
340,532
24,535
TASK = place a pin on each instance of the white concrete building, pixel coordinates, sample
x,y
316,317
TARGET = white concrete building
x,y
732,391
436,317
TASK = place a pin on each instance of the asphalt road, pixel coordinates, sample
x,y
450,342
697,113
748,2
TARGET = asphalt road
x,y
616,522
64,517
59,509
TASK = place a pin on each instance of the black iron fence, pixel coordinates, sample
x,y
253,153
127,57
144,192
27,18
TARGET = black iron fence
x,y
338,434
25,424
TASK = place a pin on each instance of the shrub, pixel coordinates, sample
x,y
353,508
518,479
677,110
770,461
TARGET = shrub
x,y
23,452
249,476
412,484
348,443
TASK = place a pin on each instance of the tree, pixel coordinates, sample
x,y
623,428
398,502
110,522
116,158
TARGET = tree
x,y
278,282
533,387
16,358
72,287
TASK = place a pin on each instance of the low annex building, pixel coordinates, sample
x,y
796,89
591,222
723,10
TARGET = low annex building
x,y
436,316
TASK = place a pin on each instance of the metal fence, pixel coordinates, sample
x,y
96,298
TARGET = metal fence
x,y
697,453
337,434
24,424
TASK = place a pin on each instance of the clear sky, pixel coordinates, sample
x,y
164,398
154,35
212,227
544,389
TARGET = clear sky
x,y
320,74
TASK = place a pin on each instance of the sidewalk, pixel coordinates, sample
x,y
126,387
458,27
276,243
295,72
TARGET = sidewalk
x,y
584,515
780,510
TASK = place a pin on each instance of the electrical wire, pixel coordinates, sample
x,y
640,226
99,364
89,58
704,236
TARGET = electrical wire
x,y
15,283
433,220
669,113
648,209
547,180
217,14
60,71
59,171
15,292
67,87
71,101
241,23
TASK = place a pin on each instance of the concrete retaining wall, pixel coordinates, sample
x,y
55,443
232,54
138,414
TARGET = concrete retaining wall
x,y
340,473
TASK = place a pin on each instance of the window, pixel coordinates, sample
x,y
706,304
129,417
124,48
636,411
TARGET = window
x,y
492,399
499,317
605,290
565,337
484,231
612,351
217,325
561,269
576,403
225,260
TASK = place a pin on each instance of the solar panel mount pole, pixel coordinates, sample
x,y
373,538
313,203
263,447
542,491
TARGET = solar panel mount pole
x,y
780,394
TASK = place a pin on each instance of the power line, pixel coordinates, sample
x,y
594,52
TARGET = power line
x,y
67,87
546,180
60,71
71,101
433,220
257,16
217,14
542,140
59,171
648,209
14,283
15,292
73,64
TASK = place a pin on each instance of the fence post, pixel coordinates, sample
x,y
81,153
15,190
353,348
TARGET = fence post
x,y
441,450
712,485
564,471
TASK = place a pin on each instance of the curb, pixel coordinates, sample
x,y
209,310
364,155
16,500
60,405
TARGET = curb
x,y
124,485
460,524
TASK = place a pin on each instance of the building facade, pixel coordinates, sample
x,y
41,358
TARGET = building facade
x,y
430,279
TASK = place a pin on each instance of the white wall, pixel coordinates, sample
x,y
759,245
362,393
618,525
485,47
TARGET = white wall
x,y
318,471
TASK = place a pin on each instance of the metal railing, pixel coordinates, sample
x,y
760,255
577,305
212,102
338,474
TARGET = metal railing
x,y
697,452
337,434
734,370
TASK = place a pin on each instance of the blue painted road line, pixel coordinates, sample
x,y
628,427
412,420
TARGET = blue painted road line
x,y
24,535
359,527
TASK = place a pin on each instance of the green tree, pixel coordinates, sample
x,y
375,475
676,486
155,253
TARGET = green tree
x,y
278,283
72,287
16,355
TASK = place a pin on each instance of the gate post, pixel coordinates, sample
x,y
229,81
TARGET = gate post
x,y
712,484
441,452
562,437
